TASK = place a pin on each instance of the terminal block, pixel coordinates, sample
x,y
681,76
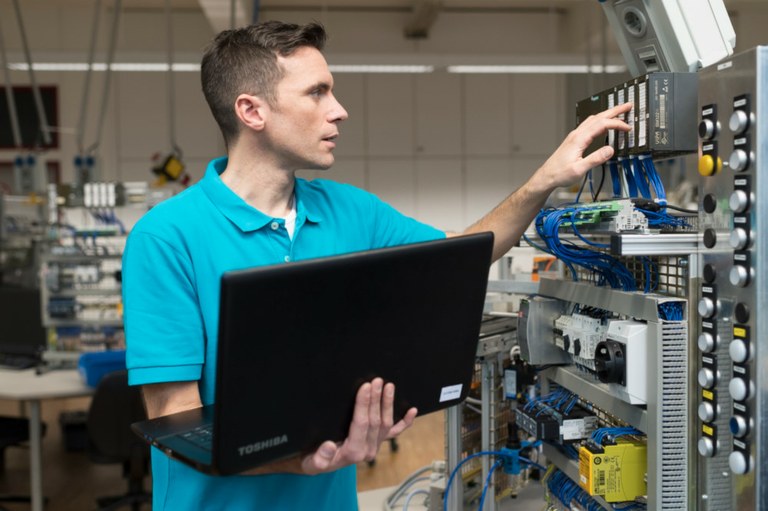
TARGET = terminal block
x,y
545,423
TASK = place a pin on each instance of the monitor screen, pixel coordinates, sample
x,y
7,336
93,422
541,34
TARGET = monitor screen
x,y
21,327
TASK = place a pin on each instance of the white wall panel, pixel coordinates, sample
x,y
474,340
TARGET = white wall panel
x,y
488,182
144,30
346,170
522,168
438,114
494,33
393,180
142,114
390,116
197,133
439,193
537,113
486,114
349,89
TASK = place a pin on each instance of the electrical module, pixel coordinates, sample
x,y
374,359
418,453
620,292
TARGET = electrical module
x,y
664,109
614,472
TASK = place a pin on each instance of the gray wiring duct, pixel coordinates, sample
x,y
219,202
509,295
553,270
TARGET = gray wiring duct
x,y
44,129
88,73
171,103
108,76
9,94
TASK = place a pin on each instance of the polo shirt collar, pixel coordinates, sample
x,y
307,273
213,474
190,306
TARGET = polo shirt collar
x,y
243,215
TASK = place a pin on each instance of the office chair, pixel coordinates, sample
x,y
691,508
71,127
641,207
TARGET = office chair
x,y
115,406
14,431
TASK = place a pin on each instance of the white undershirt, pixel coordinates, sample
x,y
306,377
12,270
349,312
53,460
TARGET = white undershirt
x,y
290,219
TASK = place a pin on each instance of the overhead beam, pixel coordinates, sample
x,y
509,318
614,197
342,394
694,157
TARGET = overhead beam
x,y
224,14
424,15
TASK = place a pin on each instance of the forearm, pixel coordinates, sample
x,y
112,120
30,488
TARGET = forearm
x,y
162,399
167,398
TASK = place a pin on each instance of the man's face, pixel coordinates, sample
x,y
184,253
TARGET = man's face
x,y
303,124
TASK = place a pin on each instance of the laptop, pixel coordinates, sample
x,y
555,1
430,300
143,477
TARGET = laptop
x,y
297,340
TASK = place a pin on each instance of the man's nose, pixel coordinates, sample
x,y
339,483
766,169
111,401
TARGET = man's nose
x,y
338,112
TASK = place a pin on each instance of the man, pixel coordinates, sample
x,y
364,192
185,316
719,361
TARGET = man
x,y
270,91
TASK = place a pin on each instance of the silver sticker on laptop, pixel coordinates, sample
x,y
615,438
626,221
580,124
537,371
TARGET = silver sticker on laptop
x,y
450,392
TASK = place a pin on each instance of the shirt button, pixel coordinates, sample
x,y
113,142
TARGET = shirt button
x,y
275,226
287,259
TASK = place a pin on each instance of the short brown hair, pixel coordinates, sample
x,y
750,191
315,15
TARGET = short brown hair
x,y
244,60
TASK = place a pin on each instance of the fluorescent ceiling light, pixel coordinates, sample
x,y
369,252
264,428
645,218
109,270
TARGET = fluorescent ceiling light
x,y
540,69
335,68
354,68
101,66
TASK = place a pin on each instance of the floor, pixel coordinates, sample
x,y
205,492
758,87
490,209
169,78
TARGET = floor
x,y
71,482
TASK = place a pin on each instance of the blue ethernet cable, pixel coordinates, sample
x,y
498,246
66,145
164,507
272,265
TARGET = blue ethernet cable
x,y
641,178
501,454
629,176
488,483
615,179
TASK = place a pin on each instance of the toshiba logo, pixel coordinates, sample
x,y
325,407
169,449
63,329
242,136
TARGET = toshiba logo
x,y
264,444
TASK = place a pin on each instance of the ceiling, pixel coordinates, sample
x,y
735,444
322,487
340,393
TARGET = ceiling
x,y
362,4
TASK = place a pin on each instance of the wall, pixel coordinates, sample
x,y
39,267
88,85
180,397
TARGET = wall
x,y
440,147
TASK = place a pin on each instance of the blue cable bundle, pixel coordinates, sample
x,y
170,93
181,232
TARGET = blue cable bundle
x,y
657,212
108,217
629,176
653,178
554,396
671,311
641,179
650,270
501,456
609,269
615,179
567,491
570,451
599,435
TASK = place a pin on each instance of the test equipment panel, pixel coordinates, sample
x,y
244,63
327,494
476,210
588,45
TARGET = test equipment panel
x,y
732,349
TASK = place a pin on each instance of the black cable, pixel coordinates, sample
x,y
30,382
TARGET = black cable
x,y
600,186
683,210
581,188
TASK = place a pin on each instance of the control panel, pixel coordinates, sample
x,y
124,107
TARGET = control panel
x,y
733,162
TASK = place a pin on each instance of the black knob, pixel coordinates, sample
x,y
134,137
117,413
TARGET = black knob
x,y
709,273
710,238
741,312
710,203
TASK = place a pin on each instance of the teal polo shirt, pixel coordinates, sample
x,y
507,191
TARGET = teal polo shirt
x,y
172,266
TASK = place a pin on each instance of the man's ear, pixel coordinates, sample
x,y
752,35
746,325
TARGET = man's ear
x,y
252,111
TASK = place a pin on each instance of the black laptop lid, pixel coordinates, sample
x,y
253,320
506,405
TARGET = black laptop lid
x,y
297,340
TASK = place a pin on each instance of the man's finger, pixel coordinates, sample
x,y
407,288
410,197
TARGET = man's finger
x,y
616,110
599,127
374,416
594,159
358,430
405,423
387,409
321,459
